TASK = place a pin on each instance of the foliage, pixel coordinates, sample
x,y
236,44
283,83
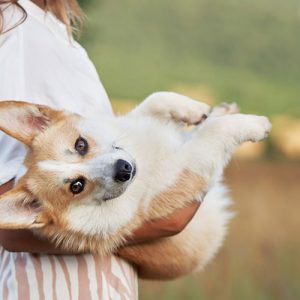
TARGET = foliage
x,y
245,51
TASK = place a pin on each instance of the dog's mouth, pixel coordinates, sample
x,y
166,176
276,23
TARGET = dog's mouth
x,y
109,197
119,187
133,172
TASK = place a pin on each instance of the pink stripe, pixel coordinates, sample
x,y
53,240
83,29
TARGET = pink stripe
x,y
21,276
98,265
127,278
118,285
116,282
66,274
84,286
133,280
54,296
5,289
130,276
36,261
4,266
102,265
4,262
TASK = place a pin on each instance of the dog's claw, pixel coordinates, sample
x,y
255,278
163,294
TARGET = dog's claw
x,y
225,109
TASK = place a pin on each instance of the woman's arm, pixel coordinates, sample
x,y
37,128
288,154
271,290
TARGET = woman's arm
x,y
26,241
167,227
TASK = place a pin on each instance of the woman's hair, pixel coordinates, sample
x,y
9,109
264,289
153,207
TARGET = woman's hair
x,y
67,11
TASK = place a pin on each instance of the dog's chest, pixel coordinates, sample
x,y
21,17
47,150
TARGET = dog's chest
x,y
147,139
156,149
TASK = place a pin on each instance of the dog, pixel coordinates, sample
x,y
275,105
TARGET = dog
x,y
90,182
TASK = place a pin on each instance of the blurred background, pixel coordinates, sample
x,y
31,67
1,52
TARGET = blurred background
x,y
247,51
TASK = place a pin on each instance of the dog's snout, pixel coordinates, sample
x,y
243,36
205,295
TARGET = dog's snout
x,y
123,170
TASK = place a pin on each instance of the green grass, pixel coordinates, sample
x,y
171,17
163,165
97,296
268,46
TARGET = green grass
x,y
242,50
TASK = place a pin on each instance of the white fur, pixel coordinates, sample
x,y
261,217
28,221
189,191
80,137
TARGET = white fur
x,y
173,106
160,153
210,222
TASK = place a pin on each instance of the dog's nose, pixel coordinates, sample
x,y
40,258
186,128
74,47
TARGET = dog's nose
x,y
123,170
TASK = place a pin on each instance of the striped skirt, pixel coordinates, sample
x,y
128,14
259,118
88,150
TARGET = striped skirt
x,y
25,276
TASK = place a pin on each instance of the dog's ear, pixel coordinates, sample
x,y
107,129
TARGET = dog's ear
x,y
20,210
24,121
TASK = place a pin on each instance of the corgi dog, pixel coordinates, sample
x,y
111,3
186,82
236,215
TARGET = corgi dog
x,y
90,182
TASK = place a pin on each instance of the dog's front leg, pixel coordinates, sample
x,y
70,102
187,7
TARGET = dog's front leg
x,y
224,109
169,106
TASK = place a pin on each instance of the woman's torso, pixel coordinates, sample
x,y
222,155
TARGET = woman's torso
x,y
40,63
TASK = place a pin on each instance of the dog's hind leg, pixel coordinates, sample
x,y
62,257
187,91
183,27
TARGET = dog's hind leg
x,y
211,145
190,250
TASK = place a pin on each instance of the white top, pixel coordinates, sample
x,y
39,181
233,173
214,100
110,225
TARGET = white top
x,y
40,63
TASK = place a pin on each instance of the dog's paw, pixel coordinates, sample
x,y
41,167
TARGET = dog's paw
x,y
175,107
189,111
259,128
224,109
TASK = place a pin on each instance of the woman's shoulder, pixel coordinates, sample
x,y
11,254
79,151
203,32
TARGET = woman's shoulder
x,y
41,62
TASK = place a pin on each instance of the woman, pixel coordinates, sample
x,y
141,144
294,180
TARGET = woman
x,y
40,62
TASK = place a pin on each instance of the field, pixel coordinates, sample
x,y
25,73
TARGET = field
x,y
215,50
233,50
260,258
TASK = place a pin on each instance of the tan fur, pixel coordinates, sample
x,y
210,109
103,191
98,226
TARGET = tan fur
x,y
185,189
161,260
43,117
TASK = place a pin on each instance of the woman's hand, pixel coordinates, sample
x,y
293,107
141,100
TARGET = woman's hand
x,y
22,240
161,228
6,186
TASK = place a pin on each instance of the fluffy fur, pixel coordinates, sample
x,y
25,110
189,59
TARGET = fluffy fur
x,y
173,167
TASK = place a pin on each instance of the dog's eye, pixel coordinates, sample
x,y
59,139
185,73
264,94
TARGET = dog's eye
x,y
81,146
77,186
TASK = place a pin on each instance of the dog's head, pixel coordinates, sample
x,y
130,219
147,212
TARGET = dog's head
x,y
71,163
